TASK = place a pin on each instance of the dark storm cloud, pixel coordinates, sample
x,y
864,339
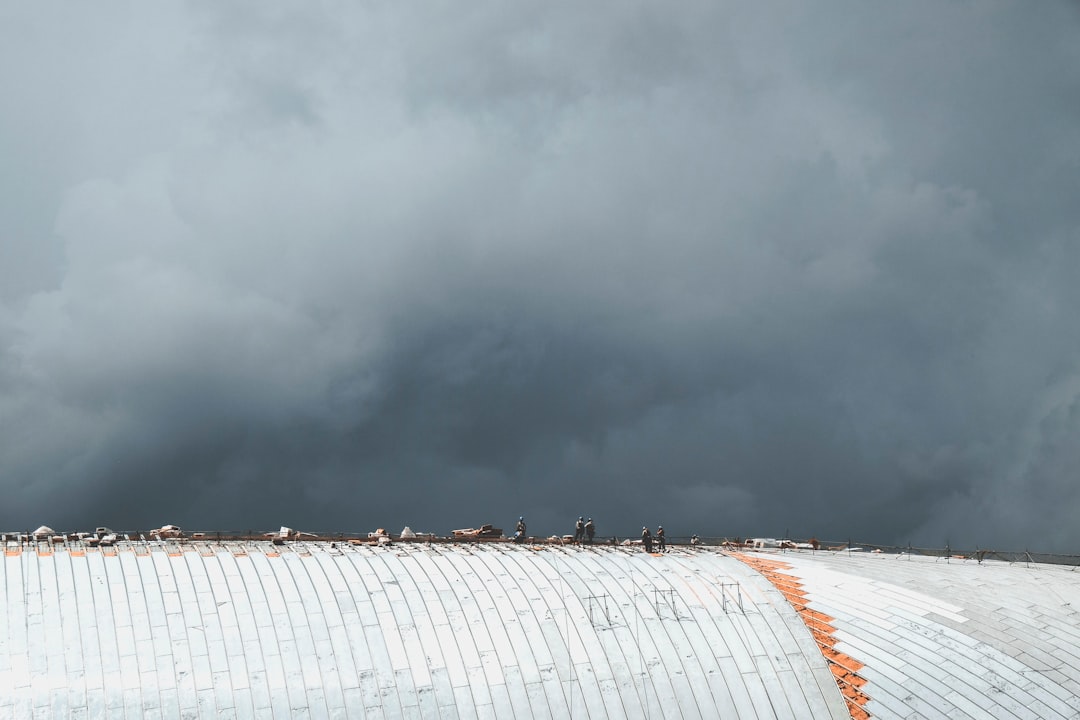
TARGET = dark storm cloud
x,y
742,271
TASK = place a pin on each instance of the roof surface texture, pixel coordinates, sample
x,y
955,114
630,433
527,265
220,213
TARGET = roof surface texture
x,y
309,630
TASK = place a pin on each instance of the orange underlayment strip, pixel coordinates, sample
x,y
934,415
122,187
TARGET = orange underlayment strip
x,y
844,667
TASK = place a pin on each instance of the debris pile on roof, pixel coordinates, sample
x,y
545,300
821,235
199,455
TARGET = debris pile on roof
x,y
792,545
103,537
379,537
287,533
166,531
408,533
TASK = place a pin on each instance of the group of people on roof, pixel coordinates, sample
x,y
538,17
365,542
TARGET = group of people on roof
x,y
647,539
584,529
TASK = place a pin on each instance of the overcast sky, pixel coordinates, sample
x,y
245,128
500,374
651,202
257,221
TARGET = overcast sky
x,y
739,269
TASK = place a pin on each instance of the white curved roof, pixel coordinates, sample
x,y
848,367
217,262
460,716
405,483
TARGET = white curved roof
x,y
253,630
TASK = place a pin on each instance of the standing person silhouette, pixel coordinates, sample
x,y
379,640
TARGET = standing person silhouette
x,y
646,539
590,530
660,541
579,529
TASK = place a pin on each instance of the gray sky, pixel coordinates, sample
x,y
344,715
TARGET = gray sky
x,y
738,270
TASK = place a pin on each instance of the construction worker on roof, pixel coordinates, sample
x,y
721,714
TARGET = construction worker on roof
x,y
590,530
661,544
579,529
646,539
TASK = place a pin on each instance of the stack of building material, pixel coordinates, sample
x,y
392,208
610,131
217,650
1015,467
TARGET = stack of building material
x,y
484,531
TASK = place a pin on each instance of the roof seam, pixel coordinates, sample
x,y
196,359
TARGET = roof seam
x,y
843,667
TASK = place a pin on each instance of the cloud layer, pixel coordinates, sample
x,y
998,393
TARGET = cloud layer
x,y
740,271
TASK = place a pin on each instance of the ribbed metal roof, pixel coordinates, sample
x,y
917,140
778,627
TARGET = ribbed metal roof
x,y
252,630
307,630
